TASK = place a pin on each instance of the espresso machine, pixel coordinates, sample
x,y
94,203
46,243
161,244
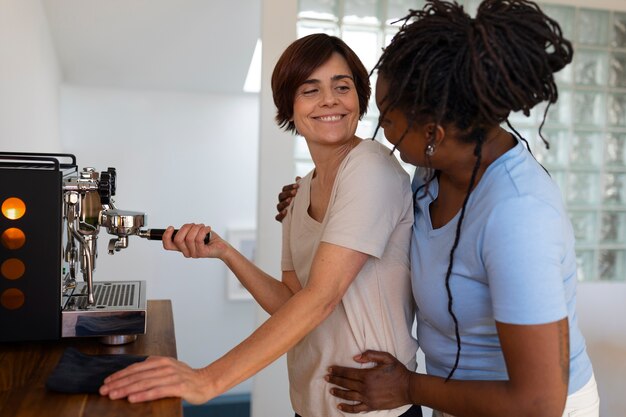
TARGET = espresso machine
x,y
52,214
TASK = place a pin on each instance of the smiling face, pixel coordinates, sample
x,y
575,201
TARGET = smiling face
x,y
326,105
410,143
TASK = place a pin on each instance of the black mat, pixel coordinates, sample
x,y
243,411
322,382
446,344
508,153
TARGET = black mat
x,y
78,372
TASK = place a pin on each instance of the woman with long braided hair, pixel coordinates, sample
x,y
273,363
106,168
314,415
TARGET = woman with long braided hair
x,y
492,253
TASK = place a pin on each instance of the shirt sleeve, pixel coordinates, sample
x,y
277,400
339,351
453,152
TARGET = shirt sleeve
x,y
524,246
371,198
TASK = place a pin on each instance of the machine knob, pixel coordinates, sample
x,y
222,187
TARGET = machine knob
x,y
112,179
105,187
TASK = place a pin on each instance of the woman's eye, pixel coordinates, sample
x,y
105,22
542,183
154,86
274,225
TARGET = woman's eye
x,y
343,88
309,92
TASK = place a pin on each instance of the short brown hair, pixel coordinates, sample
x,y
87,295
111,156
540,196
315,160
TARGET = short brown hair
x,y
299,61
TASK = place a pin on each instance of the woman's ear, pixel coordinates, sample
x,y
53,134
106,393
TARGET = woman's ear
x,y
434,133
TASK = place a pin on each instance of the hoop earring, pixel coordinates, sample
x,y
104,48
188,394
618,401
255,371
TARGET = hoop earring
x,y
430,149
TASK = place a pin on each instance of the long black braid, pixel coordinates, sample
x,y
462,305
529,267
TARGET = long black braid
x,y
470,73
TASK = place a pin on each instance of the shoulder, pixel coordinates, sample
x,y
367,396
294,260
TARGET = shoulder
x,y
517,198
525,209
371,175
528,224
519,180
371,158
370,147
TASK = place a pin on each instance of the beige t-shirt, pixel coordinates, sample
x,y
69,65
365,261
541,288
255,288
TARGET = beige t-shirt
x,y
371,211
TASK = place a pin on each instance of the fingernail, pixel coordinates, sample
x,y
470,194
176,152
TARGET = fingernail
x,y
330,370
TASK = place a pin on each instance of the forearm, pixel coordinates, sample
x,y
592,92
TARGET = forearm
x,y
463,398
537,367
283,330
333,270
269,292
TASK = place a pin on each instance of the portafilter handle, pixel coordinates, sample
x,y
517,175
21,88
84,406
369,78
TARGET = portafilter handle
x,y
157,234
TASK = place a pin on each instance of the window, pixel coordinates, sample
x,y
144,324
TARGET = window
x,y
586,128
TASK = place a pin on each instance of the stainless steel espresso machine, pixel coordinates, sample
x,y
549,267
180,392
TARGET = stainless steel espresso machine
x,y
51,217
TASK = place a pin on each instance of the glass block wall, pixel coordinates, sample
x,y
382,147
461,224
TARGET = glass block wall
x,y
587,134
586,128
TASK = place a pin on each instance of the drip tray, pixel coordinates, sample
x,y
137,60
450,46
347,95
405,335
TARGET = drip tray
x,y
120,309
110,295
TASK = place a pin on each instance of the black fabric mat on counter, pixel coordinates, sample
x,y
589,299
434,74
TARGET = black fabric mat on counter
x,y
78,372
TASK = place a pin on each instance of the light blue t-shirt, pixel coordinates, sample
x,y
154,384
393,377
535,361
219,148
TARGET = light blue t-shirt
x,y
515,263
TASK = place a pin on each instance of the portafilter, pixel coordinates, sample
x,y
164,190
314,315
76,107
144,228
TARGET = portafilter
x,y
124,223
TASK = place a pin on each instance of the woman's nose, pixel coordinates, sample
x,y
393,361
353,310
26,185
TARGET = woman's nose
x,y
328,97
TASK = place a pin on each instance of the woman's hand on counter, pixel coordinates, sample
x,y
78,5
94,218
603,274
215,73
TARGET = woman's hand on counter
x,y
190,241
157,377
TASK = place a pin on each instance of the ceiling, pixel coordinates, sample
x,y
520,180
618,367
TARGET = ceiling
x,y
183,45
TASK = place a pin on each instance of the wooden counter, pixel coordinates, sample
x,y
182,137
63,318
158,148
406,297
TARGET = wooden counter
x,y
24,368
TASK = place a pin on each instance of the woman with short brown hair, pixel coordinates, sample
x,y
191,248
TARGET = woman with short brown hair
x,y
345,270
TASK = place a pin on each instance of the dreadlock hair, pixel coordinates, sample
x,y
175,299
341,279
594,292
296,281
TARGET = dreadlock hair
x,y
446,67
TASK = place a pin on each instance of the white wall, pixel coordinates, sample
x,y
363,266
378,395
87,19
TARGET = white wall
x,y
29,79
601,313
270,394
179,158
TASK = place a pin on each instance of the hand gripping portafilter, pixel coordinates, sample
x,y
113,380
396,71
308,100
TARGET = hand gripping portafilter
x,y
123,223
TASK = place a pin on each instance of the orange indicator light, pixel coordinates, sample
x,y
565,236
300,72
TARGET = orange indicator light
x,y
12,268
13,208
12,299
13,238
